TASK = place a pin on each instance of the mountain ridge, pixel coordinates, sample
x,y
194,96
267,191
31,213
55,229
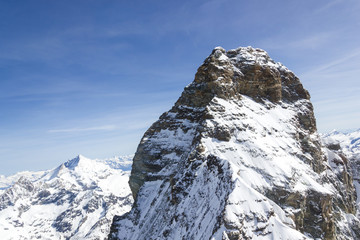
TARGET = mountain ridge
x,y
76,200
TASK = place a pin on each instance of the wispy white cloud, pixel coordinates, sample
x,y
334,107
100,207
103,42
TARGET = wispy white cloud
x,y
89,129
346,59
310,41
327,6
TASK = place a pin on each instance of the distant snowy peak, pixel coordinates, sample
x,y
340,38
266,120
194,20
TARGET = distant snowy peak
x,y
78,164
123,163
71,164
76,200
349,141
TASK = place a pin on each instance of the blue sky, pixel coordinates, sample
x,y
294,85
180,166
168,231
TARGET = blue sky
x,y
89,77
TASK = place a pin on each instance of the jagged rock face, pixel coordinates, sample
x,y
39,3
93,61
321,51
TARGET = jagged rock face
x,y
347,148
77,200
243,71
237,157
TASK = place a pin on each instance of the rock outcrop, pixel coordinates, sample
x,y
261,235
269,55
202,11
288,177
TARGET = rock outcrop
x,y
238,157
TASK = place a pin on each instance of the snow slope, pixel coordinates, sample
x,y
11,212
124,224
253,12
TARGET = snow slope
x,y
76,200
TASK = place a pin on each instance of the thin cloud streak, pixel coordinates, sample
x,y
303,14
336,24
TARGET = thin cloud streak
x,y
327,6
310,41
333,63
90,129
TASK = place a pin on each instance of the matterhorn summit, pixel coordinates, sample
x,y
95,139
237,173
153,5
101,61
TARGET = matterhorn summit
x,y
238,157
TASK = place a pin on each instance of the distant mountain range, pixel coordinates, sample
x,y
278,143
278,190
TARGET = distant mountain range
x,y
76,200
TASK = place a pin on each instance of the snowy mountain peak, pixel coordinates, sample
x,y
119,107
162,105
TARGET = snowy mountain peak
x,y
71,164
238,157
76,200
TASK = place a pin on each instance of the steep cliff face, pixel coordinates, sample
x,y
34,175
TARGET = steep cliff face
x,y
237,157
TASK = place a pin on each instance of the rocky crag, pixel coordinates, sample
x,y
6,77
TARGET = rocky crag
x,y
238,157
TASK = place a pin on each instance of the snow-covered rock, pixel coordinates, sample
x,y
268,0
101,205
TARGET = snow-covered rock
x,y
347,146
76,200
238,157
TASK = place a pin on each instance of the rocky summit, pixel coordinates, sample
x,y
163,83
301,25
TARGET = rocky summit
x,y
238,157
